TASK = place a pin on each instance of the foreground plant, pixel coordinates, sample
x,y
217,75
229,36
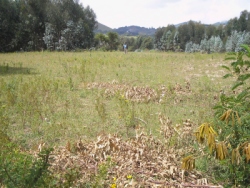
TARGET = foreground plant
x,y
231,145
19,169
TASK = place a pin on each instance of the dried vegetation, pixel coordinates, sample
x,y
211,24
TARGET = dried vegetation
x,y
142,161
139,94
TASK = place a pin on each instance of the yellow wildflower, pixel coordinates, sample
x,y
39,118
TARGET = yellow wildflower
x,y
129,176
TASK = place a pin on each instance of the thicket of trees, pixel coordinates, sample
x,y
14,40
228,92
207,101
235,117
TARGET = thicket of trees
x,y
49,24
195,36
112,41
32,25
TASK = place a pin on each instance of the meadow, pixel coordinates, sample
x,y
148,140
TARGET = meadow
x,y
58,98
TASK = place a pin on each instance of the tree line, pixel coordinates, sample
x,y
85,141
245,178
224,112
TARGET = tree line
x,y
33,25
195,36
189,37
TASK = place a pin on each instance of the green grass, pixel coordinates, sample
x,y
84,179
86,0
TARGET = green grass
x,y
46,98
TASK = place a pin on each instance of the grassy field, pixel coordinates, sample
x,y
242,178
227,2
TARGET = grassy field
x,y
111,108
56,97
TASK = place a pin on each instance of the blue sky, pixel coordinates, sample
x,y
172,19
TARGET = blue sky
x,y
159,13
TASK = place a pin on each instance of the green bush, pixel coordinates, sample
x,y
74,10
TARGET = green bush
x,y
233,119
230,143
19,169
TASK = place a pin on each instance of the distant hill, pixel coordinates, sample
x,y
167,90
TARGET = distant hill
x,y
102,28
220,23
127,30
137,30
183,23
215,24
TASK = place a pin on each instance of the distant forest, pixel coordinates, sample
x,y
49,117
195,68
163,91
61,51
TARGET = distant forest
x,y
34,25
195,36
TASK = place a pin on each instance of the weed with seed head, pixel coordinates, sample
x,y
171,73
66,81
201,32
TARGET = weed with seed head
x,y
127,112
100,108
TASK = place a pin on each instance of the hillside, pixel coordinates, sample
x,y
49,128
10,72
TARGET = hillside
x,y
215,24
220,23
137,30
127,30
101,28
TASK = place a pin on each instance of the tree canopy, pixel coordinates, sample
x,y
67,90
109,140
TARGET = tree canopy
x,y
195,36
41,24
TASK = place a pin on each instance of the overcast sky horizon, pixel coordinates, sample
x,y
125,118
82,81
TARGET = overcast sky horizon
x,y
160,13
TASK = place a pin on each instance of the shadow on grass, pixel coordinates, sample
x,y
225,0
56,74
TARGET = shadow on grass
x,y
8,70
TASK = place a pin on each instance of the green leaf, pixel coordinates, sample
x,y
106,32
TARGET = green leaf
x,y
236,69
218,107
230,58
225,67
227,75
237,84
242,95
243,77
247,49
247,64
231,53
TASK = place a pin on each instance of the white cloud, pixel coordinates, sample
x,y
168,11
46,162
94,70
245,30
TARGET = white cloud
x,y
158,13
160,3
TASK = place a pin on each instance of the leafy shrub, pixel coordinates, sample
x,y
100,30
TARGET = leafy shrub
x,y
234,118
19,169
231,143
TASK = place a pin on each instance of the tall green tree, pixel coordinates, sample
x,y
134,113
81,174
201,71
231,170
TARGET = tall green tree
x,y
37,24
147,43
9,19
101,41
113,40
31,28
139,41
49,36
243,19
167,41
184,36
199,30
